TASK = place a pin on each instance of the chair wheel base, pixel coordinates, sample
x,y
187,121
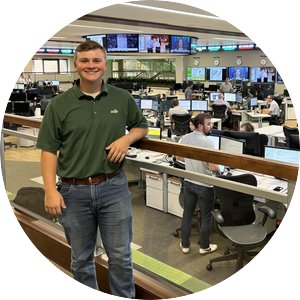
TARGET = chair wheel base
x,y
209,267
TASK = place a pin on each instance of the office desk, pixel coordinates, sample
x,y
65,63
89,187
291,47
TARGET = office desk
x,y
256,116
273,132
167,121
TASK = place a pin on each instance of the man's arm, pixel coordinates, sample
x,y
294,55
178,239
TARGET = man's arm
x,y
118,149
53,199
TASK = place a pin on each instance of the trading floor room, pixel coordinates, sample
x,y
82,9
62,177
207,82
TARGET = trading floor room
x,y
155,77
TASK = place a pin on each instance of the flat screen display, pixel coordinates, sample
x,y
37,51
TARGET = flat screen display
x,y
196,73
201,105
180,44
230,97
213,96
154,133
194,45
262,74
253,101
284,155
279,78
154,43
216,73
122,42
238,73
146,103
99,38
232,145
185,104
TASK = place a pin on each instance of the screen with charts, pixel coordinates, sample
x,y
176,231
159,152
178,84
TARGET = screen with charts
x,y
196,73
146,103
232,145
284,155
201,105
154,133
230,97
216,73
185,104
213,96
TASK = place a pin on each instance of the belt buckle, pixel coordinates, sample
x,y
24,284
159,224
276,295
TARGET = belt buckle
x,y
90,180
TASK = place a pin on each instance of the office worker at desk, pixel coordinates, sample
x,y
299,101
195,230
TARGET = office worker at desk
x,y
197,193
221,101
273,110
176,109
85,126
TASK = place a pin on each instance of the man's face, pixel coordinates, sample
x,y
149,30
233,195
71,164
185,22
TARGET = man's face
x,y
207,126
90,65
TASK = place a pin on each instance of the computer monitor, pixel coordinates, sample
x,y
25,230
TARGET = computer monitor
x,y
19,86
18,96
185,104
239,98
22,108
230,97
201,105
216,140
138,102
146,103
284,155
213,96
165,105
253,102
154,133
232,145
55,82
155,105
251,140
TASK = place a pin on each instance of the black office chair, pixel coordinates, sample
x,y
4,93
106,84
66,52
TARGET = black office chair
x,y
289,131
263,141
294,142
219,111
235,220
180,124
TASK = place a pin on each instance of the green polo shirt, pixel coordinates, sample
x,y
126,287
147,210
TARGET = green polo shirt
x,y
80,127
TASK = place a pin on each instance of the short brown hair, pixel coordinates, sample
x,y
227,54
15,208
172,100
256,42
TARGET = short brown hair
x,y
200,118
89,45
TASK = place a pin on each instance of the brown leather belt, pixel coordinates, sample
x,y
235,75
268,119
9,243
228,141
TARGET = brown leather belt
x,y
90,180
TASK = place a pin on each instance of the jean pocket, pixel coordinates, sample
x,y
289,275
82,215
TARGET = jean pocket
x,y
120,179
65,189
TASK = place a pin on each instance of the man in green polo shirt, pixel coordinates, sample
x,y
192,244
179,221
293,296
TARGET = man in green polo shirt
x,y
83,141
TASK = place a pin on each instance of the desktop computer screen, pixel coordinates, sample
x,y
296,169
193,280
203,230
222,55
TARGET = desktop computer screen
x,y
213,96
185,104
201,105
253,101
284,155
22,108
138,102
216,140
154,133
239,98
230,97
146,103
232,145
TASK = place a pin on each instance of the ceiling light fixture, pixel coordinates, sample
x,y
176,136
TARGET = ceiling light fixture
x,y
172,11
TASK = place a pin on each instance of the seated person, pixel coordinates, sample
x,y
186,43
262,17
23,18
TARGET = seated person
x,y
221,101
247,127
176,109
273,110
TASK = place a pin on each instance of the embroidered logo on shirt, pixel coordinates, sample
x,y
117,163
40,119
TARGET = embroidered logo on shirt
x,y
114,111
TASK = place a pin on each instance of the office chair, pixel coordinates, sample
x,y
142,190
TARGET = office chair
x,y
263,141
219,111
235,220
289,131
180,124
294,142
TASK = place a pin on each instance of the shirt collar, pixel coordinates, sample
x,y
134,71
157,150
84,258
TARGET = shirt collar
x,y
81,96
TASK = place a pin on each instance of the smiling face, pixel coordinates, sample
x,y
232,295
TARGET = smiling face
x,y
91,66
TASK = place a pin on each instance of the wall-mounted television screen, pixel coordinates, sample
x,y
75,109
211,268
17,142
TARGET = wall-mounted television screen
x,y
122,42
180,44
194,45
216,73
99,38
196,73
238,73
262,74
279,78
154,43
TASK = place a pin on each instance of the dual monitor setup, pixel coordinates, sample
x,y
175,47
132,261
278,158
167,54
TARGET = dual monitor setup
x,y
236,73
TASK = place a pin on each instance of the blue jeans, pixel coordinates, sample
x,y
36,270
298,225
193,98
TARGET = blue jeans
x,y
202,197
107,205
